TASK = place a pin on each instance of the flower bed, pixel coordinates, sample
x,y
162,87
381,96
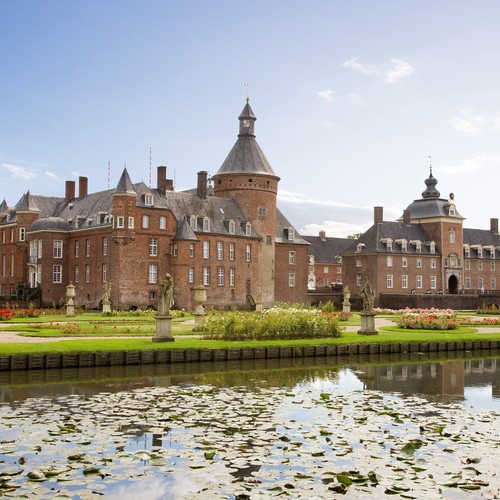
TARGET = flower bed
x,y
273,324
7,314
440,320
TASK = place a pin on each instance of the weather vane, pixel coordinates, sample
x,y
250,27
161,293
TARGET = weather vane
x,y
430,163
247,86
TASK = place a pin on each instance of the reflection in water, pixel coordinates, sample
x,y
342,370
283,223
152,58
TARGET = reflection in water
x,y
449,376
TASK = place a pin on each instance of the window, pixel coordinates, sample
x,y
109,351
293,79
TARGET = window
x,y
291,233
152,294
493,284
389,245
206,276
131,223
325,269
389,279
404,262
104,273
175,250
291,280
262,212
432,248
291,258
358,262
22,234
220,276
39,249
57,274
389,261
248,229
419,262
4,265
87,273
191,250
58,249
232,227
479,265
452,235
269,240
191,275
468,283
87,247
480,284
206,250
148,200
33,250
433,282
358,280
339,270
153,247
77,248
77,274
248,250
492,266
120,222
220,250
325,282
404,281
105,246
433,263
231,251
467,265
231,276
419,281
418,247
163,222
480,252
193,222
359,247
467,251
153,273
145,221
12,264
404,246
206,224
338,259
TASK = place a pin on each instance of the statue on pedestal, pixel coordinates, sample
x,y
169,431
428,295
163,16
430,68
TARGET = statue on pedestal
x,y
106,293
166,297
367,295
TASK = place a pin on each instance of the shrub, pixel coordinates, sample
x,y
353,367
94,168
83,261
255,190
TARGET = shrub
x,y
273,324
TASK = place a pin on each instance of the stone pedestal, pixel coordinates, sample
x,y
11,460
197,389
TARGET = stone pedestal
x,y
346,306
70,308
198,318
106,307
367,323
163,329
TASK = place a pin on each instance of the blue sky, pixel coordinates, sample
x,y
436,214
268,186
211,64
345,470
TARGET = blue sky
x,y
351,98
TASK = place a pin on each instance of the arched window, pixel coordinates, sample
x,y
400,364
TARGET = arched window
x,y
452,235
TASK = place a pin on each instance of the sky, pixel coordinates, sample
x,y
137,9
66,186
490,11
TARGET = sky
x,y
355,100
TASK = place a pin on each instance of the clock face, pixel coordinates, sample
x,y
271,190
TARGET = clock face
x,y
246,123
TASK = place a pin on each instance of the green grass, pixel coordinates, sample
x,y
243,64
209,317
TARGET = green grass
x,y
386,335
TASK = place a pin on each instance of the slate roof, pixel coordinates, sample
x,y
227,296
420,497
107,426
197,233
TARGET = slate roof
x,y
327,249
480,237
373,238
246,157
50,224
282,226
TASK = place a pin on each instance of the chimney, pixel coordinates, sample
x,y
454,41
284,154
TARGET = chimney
x,y
170,184
494,225
322,236
70,190
202,184
162,180
406,216
378,215
83,183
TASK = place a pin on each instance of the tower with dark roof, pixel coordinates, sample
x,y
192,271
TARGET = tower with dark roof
x,y
247,176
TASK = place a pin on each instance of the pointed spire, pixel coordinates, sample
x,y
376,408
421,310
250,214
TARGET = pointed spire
x,y
4,208
125,185
27,204
247,120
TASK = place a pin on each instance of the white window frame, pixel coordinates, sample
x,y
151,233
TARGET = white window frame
x,y
291,258
220,250
232,227
206,249
22,234
87,247
57,273
145,222
206,276
206,224
248,229
389,261
58,249
404,262
433,263
163,222
105,246
131,222
191,250
433,282
389,280
419,263
248,252
87,273
419,281
193,222
191,275
291,280
220,276
104,273
152,273
404,281
231,276
231,251
153,247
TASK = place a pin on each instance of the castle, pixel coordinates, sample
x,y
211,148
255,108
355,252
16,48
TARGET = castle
x,y
229,235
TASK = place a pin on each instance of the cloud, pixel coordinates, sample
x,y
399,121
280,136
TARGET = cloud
x,y
333,229
354,64
19,172
393,70
475,164
399,69
52,176
302,199
467,122
327,95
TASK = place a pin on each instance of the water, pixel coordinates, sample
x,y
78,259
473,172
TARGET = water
x,y
301,428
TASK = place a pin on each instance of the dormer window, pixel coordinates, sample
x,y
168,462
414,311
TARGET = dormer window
x,y
451,211
291,233
480,252
360,246
206,224
388,243
467,250
232,227
148,200
432,247
193,222
248,229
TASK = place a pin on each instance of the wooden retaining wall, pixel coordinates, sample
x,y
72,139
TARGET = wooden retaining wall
x,y
171,356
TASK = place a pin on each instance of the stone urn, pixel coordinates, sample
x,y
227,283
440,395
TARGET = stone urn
x,y
200,297
70,303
